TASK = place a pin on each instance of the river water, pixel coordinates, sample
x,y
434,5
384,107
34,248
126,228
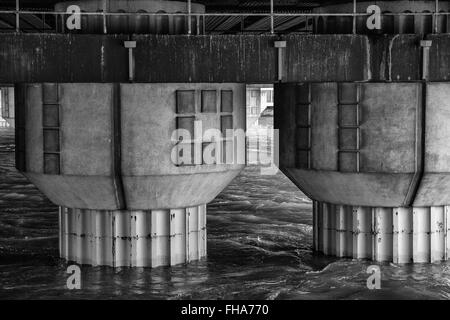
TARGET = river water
x,y
259,247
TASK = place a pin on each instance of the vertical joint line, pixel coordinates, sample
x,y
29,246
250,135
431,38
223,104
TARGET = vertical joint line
x,y
117,148
420,148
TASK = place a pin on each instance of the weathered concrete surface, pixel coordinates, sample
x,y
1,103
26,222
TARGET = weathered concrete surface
x,y
388,126
326,57
62,58
216,58
395,57
439,57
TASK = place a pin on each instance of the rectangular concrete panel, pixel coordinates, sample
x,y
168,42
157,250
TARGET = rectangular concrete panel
x,y
437,131
86,129
33,130
324,121
388,126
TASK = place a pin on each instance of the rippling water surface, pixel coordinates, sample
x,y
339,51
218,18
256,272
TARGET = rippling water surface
x,y
259,247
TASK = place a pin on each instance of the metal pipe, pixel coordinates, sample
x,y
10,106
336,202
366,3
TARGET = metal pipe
x,y
17,16
435,16
105,30
130,45
272,28
354,17
189,17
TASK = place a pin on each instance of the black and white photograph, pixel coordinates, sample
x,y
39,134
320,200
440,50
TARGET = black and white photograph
x,y
224,157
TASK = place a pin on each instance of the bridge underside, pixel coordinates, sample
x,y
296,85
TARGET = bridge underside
x,y
224,58
362,118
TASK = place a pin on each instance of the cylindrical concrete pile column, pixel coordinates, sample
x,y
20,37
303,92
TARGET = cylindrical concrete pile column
x,y
399,235
144,238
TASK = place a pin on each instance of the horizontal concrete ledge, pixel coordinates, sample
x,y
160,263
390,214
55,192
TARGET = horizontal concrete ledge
x,y
218,58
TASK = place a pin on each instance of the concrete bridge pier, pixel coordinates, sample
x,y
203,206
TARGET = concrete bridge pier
x,y
128,162
374,156
108,154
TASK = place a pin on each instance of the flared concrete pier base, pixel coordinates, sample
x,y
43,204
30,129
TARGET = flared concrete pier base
x,y
399,235
147,238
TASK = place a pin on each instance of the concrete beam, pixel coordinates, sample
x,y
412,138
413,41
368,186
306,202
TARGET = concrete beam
x,y
217,58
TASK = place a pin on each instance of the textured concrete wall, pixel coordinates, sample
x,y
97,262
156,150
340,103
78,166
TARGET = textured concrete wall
x,y
114,145
224,58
